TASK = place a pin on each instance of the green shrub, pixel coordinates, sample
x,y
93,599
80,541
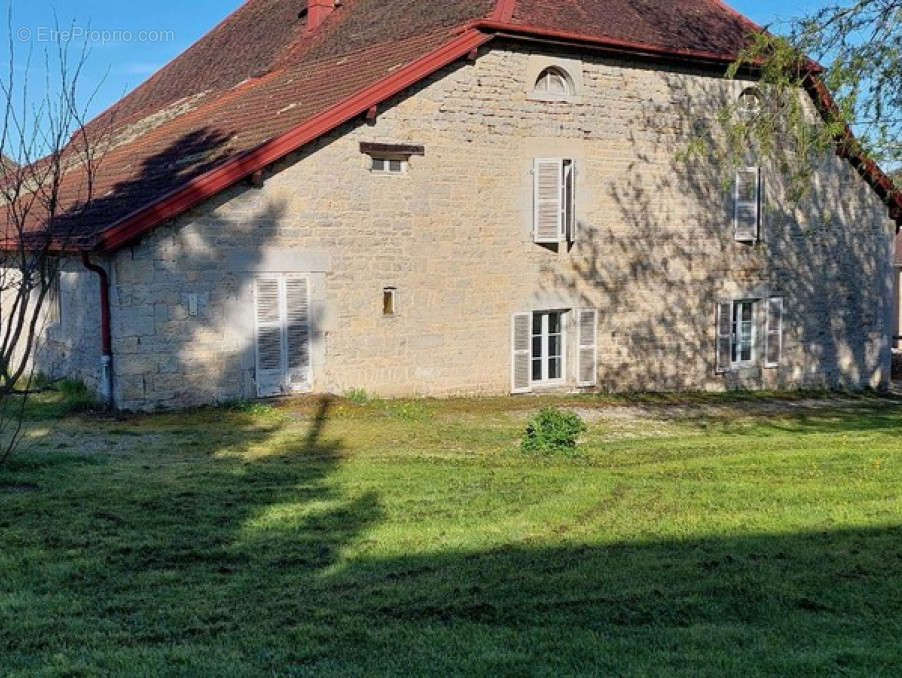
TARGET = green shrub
x,y
358,396
76,396
552,430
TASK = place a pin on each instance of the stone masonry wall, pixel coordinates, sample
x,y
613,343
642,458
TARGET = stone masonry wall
x,y
453,234
69,345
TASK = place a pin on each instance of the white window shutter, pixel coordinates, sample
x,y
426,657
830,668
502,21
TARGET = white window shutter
x,y
548,216
587,347
747,204
267,306
570,200
521,334
724,336
773,341
297,331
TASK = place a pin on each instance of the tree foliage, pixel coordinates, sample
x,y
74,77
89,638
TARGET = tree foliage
x,y
854,50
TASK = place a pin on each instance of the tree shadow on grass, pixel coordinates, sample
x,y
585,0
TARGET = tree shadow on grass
x,y
156,550
211,561
762,604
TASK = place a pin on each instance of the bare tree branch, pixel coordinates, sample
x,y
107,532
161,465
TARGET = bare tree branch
x,y
56,154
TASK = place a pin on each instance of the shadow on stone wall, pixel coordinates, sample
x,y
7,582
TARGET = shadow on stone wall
x,y
164,355
655,282
657,272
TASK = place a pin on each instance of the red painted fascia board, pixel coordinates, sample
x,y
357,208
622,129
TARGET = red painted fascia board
x,y
471,36
847,147
207,185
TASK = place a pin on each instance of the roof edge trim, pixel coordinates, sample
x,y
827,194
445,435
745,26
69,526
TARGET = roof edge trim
x,y
207,185
469,37
848,147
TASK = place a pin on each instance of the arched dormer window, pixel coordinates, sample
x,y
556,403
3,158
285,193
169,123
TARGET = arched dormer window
x,y
553,83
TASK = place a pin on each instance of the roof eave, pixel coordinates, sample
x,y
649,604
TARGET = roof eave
x,y
469,38
235,169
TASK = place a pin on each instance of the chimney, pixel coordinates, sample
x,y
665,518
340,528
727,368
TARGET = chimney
x,y
317,11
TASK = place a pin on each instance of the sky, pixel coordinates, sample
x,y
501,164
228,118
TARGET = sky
x,y
127,43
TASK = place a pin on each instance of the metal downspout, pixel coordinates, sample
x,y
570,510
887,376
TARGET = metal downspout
x,y
106,358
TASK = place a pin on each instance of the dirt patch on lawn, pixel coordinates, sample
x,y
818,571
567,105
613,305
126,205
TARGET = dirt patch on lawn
x,y
728,409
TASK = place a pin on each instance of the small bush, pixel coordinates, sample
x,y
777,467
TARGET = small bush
x,y
358,396
551,431
76,395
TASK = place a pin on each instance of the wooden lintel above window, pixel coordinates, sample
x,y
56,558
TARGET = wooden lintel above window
x,y
391,149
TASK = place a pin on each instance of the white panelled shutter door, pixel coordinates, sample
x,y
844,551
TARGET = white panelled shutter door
x,y
282,312
297,332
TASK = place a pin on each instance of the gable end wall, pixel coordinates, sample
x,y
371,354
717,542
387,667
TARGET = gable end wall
x,y
453,235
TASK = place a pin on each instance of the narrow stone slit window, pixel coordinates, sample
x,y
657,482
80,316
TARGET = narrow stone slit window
x,y
389,300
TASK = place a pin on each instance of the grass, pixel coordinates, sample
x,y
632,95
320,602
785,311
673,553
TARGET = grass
x,y
694,536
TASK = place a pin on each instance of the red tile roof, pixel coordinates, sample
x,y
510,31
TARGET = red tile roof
x,y
697,25
259,86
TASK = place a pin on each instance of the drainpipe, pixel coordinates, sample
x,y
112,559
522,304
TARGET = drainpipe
x,y
106,359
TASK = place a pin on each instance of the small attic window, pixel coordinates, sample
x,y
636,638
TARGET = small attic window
x,y
553,83
390,158
387,165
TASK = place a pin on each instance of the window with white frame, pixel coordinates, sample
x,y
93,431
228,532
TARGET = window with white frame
x,y
750,102
390,158
739,343
387,165
743,332
553,83
547,346
554,200
747,204
539,348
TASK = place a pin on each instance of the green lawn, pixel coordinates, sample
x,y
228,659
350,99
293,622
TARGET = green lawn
x,y
724,536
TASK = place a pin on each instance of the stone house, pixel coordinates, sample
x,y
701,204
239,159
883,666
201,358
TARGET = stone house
x,y
465,197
